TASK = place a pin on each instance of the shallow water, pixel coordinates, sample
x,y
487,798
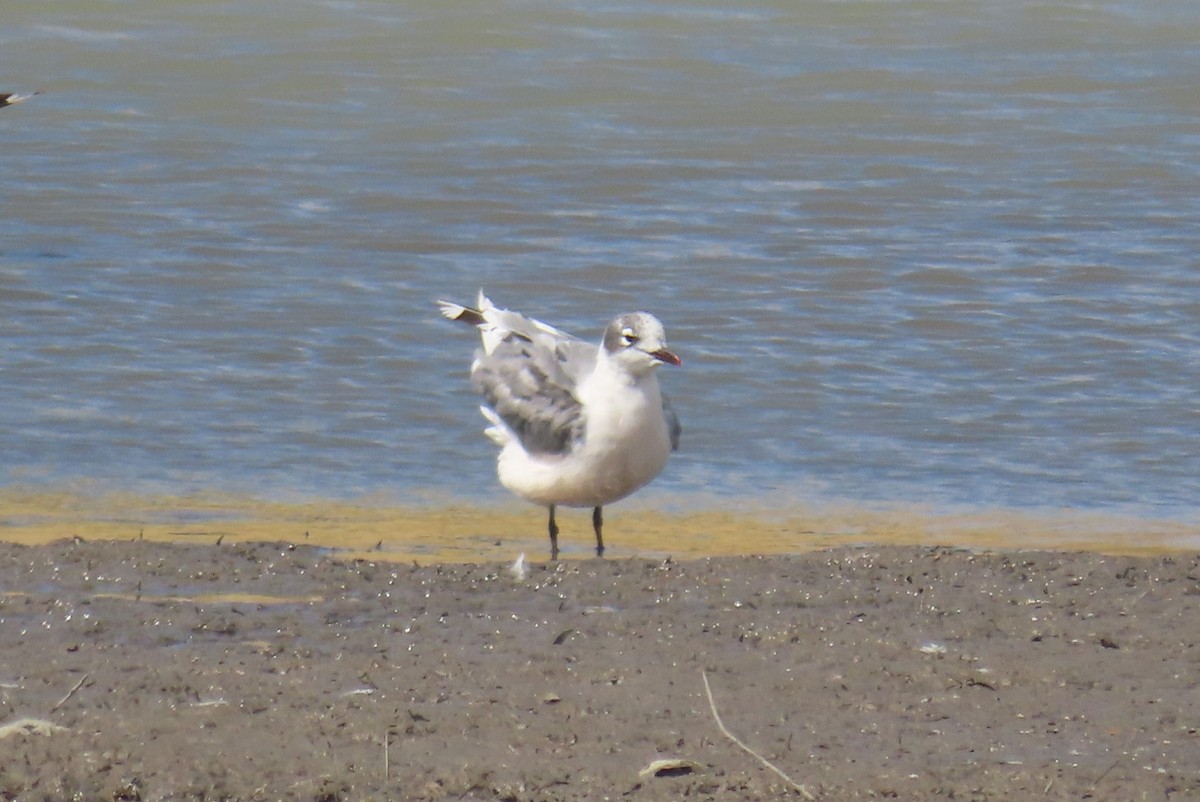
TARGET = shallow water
x,y
910,251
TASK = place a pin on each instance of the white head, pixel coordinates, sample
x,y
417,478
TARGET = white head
x,y
638,343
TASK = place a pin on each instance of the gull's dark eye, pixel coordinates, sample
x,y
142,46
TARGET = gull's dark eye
x,y
629,336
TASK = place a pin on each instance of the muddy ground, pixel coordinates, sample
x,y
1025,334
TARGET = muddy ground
x,y
148,670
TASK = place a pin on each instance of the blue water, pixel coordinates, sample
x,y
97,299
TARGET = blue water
x,y
910,251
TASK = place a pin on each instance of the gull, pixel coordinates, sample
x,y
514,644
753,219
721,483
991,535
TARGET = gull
x,y
578,425
9,98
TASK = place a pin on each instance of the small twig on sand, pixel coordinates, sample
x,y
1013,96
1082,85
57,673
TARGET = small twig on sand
x,y
725,731
1103,774
387,762
70,693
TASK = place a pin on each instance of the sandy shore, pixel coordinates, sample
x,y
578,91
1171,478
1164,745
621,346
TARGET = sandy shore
x,y
137,669
444,531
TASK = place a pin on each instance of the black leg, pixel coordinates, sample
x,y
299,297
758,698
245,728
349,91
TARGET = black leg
x,y
598,524
553,535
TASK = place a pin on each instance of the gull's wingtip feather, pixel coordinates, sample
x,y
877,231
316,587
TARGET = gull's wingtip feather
x,y
453,311
498,431
12,98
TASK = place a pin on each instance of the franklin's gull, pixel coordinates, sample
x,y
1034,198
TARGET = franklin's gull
x,y
577,424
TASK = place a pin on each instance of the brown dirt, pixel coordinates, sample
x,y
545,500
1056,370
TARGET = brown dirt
x,y
270,671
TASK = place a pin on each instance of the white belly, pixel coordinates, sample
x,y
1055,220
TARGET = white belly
x,y
626,445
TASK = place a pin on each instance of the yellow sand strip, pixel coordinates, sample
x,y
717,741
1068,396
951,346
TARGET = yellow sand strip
x,y
458,533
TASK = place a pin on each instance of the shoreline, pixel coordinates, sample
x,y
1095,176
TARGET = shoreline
x,y
456,532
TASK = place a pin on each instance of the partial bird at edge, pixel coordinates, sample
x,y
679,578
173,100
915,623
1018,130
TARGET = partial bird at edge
x,y
12,98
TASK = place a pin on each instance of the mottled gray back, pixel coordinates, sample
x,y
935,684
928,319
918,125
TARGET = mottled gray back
x,y
532,393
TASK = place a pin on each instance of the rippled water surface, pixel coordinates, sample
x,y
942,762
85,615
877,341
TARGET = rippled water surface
x,y
910,251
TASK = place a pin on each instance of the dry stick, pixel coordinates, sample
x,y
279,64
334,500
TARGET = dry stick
x,y
70,693
725,731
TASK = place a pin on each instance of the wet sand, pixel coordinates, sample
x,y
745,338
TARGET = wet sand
x,y
442,531
139,668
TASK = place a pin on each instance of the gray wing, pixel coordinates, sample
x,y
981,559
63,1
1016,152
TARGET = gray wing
x,y
531,387
673,425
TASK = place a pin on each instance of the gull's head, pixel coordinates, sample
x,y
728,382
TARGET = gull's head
x,y
637,342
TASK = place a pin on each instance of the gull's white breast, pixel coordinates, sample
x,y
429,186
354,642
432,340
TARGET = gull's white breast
x,y
626,445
